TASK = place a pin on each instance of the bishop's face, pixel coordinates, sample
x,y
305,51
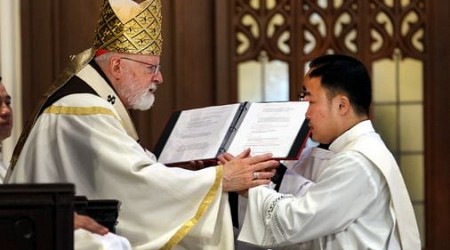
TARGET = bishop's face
x,y
140,81
322,113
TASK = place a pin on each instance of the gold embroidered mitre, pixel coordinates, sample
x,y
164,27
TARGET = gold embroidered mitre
x,y
128,27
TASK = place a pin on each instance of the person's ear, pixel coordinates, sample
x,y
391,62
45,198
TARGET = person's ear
x,y
115,67
343,104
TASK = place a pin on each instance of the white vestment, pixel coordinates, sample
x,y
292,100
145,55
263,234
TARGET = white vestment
x,y
85,240
84,139
353,203
300,175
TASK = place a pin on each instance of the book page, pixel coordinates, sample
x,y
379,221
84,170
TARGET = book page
x,y
269,128
198,134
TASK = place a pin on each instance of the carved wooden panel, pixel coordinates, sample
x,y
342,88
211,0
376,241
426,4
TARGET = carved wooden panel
x,y
296,31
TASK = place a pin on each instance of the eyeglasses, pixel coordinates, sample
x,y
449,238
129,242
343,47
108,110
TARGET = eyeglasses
x,y
302,95
154,69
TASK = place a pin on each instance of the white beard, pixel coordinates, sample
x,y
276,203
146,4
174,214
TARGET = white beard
x,y
141,99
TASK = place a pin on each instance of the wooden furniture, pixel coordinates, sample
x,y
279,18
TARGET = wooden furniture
x,y
36,216
104,211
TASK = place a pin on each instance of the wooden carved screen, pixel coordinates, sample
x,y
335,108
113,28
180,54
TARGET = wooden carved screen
x,y
387,35
369,30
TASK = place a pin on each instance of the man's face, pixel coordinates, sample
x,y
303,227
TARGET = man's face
x,y
140,81
322,113
5,113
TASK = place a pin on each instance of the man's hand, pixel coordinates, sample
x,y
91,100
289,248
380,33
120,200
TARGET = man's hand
x,y
89,224
243,172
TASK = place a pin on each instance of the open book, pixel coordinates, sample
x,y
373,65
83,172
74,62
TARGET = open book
x,y
204,133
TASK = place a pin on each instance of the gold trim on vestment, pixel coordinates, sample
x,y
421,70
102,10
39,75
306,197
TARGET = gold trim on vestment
x,y
206,203
61,110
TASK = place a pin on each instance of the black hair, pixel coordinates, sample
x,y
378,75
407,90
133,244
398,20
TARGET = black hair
x,y
346,75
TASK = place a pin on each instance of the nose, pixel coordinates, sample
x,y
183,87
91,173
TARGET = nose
x,y
158,78
308,113
5,109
